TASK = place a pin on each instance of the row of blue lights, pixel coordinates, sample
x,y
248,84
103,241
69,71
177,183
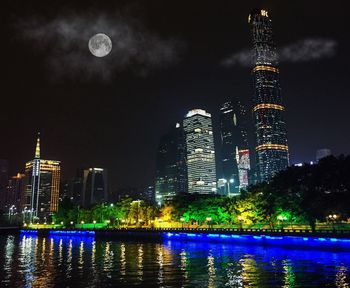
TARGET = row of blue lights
x,y
72,232
29,231
285,240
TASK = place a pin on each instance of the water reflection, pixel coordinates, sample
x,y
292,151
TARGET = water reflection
x,y
63,261
289,278
183,265
341,280
211,271
140,261
122,259
160,261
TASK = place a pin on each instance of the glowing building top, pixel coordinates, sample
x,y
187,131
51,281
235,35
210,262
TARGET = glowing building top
x,y
198,112
37,149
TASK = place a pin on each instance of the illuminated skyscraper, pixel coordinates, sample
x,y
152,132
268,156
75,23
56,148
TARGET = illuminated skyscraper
x,y
94,187
171,175
42,185
270,127
235,157
201,168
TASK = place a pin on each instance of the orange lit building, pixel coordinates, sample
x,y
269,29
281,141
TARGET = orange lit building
x,y
42,184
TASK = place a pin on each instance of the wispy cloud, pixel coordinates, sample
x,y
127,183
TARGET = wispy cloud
x,y
64,42
306,50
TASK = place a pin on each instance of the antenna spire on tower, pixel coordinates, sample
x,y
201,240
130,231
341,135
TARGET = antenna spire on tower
x,y
37,149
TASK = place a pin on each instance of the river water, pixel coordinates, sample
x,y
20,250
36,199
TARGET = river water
x,y
71,261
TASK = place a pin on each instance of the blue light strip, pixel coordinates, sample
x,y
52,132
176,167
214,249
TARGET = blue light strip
x,y
72,233
261,239
28,231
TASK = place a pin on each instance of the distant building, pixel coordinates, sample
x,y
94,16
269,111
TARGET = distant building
x,y
201,166
235,154
42,186
3,182
75,187
149,194
95,189
322,153
15,192
270,128
171,169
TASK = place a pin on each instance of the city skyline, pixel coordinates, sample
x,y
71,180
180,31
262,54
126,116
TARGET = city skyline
x,y
89,118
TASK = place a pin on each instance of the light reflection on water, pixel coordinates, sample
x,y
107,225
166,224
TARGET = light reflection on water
x,y
70,261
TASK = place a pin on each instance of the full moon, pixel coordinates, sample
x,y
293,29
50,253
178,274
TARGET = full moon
x,y
100,45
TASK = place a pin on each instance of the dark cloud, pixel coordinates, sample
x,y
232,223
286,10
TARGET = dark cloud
x,y
301,51
65,39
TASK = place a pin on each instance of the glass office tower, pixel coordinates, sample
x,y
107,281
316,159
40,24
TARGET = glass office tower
x,y
268,111
201,167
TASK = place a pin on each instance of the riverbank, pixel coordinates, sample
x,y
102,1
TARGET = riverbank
x,y
341,234
305,238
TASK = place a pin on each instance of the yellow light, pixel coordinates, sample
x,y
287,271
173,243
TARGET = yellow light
x,y
94,221
268,106
272,147
265,68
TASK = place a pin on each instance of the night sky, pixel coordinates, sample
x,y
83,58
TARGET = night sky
x,y
168,57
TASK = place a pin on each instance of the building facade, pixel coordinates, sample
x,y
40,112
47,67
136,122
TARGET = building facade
x,y
42,187
95,189
201,166
270,128
3,183
235,154
15,192
171,168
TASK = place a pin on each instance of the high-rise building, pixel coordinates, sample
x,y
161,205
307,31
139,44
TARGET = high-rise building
x,y
201,167
42,186
171,169
95,189
270,127
15,192
3,182
235,157
323,153
75,187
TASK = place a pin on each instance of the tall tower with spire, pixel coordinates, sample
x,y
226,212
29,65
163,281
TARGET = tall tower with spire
x,y
42,182
268,110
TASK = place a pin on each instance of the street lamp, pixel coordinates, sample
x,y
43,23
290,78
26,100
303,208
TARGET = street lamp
x,y
231,181
82,224
209,221
94,223
13,207
281,218
332,218
182,219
